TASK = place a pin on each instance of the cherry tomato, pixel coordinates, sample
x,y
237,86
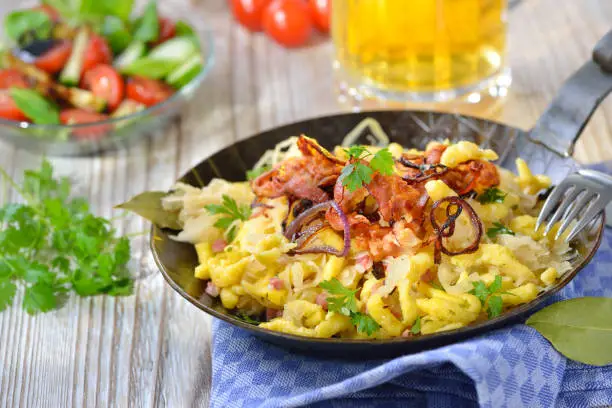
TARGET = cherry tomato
x,y
319,10
80,116
48,10
288,22
54,60
249,13
97,52
147,91
104,81
11,78
8,108
167,30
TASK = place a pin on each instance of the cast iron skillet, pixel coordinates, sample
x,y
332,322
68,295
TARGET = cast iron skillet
x,y
547,149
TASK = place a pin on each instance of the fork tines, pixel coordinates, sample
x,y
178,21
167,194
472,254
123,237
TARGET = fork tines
x,y
577,200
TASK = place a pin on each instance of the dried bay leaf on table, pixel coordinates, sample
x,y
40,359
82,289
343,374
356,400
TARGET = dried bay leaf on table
x,y
149,206
580,329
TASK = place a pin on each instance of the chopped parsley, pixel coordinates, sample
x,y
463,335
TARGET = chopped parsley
x,y
231,212
342,300
416,326
490,296
253,174
498,228
491,195
358,173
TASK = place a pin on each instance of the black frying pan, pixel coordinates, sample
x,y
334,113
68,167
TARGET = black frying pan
x,y
547,148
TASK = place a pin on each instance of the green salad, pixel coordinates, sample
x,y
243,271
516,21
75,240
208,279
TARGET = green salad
x,y
84,61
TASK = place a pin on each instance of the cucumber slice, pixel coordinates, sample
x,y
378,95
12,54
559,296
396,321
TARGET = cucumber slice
x,y
71,74
176,49
182,75
150,68
133,52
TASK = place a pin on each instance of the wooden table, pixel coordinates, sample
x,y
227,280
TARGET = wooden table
x,y
153,348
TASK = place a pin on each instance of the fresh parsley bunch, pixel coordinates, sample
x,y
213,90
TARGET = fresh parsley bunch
x,y
342,300
53,244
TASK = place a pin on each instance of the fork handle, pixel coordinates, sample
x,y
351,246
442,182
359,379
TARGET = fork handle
x,y
565,118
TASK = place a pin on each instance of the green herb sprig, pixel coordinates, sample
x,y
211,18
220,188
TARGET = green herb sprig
x,y
253,174
358,173
231,211
491,195
416,326
490,296
53,244
498,228
343,300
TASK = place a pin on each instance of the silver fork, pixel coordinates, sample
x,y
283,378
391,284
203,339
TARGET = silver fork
x,y
580,197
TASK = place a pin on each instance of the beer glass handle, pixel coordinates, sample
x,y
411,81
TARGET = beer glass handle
x,y
563,121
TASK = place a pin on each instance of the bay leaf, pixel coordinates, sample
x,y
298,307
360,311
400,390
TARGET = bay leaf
x,y
149,206
580,329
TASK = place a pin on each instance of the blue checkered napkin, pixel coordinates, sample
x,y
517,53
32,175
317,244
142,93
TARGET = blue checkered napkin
x,y
513,367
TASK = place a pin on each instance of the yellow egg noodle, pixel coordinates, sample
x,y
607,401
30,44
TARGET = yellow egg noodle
x,y
258,272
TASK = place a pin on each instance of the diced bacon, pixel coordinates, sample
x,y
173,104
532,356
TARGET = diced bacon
x,y
322,300
212,289
276,283
219,245
363,262
273,313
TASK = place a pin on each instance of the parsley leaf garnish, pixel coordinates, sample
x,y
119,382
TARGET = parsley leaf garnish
x,y
489,296
364,323
253,174
382,162
491,195
359,173
53,244
343,300
416,326
231,212
498,228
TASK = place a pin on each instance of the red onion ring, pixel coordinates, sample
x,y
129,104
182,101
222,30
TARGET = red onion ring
x,y
447,229
307,216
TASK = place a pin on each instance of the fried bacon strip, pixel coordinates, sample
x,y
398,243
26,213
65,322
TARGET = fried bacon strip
x,y
301,177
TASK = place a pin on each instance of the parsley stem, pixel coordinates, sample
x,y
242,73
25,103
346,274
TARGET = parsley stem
x,y
12,183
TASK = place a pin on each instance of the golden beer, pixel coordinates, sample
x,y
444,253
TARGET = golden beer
x,y
419,47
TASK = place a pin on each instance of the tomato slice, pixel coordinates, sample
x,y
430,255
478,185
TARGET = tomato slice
x,y
97,52
50,11
80,116
8,108
104,81
319,10
167,30
11,78
249,12
288,22
54,60
147,91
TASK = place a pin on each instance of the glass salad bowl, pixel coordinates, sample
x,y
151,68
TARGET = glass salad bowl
x,y
114,132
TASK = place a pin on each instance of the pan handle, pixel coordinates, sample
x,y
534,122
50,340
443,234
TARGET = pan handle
x,y
565,118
